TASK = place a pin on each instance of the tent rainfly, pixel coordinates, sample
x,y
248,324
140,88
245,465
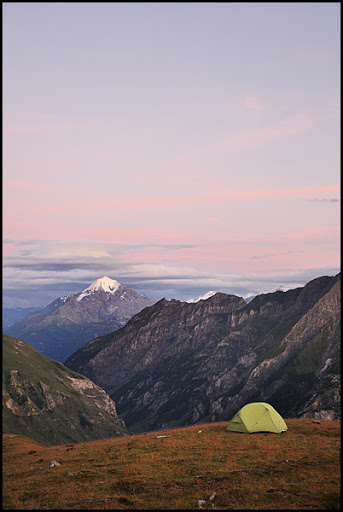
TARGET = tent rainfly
x,y
257,417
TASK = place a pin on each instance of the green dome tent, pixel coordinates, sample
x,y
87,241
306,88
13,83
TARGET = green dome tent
x,y
257,417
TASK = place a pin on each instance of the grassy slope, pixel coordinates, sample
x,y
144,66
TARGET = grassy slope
x,y
299,469
70,421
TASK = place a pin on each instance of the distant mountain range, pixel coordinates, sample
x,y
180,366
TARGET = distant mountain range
x,y
45,401
12,315
71,321
177,363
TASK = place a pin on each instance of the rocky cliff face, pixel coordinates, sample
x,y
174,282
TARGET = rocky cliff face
x,y
69,322
165,330
178,363
46,402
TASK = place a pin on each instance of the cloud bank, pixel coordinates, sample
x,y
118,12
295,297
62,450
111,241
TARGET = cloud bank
x,y
39,271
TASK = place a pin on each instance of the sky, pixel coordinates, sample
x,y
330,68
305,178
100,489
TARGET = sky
x,y
177,148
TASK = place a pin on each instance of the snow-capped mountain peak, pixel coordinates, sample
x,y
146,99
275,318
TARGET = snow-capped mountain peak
x,y
104,284
203,297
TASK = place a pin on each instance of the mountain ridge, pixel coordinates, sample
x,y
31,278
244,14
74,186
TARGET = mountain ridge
x,y
12,315
68,323
179,363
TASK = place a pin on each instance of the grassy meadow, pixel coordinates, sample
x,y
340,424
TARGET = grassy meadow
x,y
298,469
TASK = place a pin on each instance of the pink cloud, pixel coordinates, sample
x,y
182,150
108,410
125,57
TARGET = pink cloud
x,y
8,249
39,197
139,236
216,220
245,140
239,258
312,54
293,125
256,105
37,188
287,193
167,202
253,103
34,128
320,233
34,123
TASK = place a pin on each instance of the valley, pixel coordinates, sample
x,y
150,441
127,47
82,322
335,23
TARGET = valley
x,y
136,419
45,401
177,363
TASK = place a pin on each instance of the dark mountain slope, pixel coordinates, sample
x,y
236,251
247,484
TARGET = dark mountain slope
x,y
161,331
178,363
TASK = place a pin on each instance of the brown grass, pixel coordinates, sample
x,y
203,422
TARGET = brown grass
x,y
299,469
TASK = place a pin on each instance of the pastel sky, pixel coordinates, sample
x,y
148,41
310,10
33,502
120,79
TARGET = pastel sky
x,y
175,147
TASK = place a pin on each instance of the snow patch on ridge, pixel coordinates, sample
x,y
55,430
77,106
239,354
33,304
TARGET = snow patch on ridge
x,y
326,365
105,284
203,297
64,298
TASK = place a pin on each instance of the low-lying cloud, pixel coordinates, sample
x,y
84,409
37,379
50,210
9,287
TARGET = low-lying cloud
x,y
38,272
